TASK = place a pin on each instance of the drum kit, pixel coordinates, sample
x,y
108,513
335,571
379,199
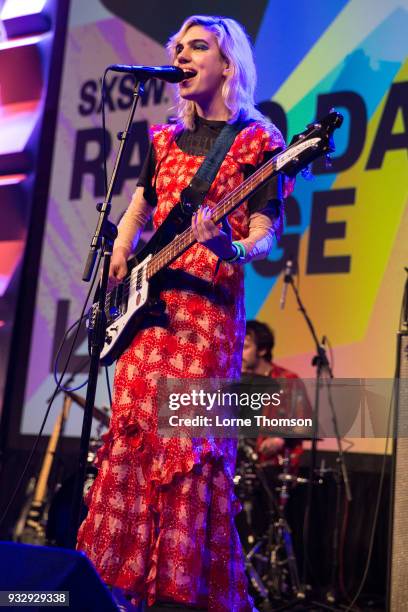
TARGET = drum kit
x,y
264,489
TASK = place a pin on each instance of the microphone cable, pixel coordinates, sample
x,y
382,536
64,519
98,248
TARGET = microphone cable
x,y
377,506
57,356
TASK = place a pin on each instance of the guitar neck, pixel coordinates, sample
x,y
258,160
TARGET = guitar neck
x,y
41,487
227,205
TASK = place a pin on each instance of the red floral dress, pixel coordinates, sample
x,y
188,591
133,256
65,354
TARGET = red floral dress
x,y
161,511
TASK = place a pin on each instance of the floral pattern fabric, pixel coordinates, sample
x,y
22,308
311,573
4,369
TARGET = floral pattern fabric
x,y
160,524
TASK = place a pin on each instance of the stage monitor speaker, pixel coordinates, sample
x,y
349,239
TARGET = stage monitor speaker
x,y
39,568
398,555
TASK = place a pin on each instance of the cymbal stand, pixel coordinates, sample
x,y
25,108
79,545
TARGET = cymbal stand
x,y
245,479
282,576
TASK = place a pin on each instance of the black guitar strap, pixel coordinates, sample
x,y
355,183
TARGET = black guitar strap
x,y
194,194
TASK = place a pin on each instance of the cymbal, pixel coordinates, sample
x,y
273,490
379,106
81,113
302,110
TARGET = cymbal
x,y
97,413
253,380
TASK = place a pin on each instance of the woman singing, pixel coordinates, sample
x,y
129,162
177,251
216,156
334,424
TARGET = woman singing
x,y
160,525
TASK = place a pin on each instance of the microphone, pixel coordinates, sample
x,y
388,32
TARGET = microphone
x,y
171,74
286,280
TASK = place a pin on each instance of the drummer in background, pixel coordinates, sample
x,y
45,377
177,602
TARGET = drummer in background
x,y
257,359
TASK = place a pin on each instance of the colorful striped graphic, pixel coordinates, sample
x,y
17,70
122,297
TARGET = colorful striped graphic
x,y
360,52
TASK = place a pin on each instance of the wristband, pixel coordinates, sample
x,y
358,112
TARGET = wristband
x,y
241,248
239,254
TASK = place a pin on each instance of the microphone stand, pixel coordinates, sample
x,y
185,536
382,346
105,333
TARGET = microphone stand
x,y
102,240
322,365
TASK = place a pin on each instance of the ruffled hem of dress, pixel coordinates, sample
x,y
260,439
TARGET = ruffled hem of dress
x,y
173,458
194,451
169,466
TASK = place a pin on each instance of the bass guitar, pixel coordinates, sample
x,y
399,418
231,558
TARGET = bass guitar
x,y
129,302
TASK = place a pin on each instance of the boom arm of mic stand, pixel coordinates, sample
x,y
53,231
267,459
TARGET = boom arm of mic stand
x,y
104,237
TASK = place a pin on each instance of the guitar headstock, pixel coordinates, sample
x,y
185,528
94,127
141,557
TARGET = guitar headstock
x,y
316,140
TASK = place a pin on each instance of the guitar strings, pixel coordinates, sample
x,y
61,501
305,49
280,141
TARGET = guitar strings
x,y
182,241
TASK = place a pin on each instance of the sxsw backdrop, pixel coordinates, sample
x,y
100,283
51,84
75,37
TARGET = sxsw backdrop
x,y
347,228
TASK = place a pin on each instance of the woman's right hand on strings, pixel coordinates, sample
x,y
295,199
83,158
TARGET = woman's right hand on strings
x,y
118,266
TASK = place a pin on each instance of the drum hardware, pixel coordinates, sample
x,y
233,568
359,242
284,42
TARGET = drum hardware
x,y
282,577
99,414
290,478
270,558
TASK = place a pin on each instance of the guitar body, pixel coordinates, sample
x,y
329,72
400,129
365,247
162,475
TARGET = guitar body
x,y
30,527
136,301
35,520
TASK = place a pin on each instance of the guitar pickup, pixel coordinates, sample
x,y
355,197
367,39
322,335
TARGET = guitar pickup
x,y
117,302
139,279
114,312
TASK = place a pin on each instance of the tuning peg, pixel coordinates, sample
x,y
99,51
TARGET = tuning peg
x,y
329,162
307,173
